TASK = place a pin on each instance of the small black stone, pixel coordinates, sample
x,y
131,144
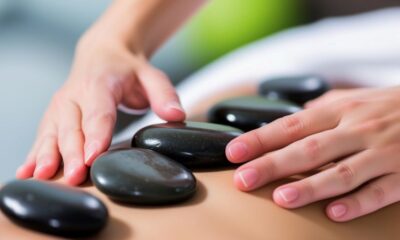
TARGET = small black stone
x,y
194,144
142,176
248,113
53,208
297,89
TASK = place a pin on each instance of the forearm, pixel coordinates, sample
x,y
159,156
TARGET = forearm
x,y
143,25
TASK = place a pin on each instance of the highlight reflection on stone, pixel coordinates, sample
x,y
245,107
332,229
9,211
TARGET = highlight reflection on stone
x,y
248,113
297,89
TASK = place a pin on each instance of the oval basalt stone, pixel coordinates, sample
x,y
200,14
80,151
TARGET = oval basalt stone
x,y
297,89
194,144
142,176
248,113
53,208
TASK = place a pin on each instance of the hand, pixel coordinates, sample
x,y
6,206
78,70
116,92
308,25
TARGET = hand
x,y
357,132
79,122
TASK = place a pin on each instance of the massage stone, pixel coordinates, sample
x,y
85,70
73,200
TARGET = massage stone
x,y
194,144
53,208
142,176
250,112
297,89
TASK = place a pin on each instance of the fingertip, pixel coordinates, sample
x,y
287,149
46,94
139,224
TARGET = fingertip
x,y
237,180
286,196
45,171
25,171
236,152
171,112
246,179
76,175
337,212
278,199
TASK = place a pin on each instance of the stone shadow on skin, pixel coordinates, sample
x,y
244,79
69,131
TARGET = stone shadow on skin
x,y
212,169
115,229
199,197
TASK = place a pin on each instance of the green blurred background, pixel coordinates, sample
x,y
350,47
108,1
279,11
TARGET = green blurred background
x,y
38,37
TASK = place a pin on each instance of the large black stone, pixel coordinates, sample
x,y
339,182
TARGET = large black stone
x,y
297,89
52,208
142,176
194,144
248,113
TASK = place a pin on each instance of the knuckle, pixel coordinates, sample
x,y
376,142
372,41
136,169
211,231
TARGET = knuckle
x,y
292,125
355,205
307,189
311,149
346,174
106,117
257,135
269,169
350,105
378,194
373,126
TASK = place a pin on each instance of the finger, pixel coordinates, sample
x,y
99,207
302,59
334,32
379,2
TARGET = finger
x,y
134,97
161,94
99,117
48,157
374,196
304,155
281,133
27,169
344,177
70,139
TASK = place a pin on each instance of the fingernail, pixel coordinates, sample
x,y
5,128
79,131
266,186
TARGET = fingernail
x,y
90,152
288,194
175,105
237,151
338,210
248,177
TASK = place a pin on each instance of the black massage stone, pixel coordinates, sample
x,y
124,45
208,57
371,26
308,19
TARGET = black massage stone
x,y
297,89
142,176
194,144
248,113
53,208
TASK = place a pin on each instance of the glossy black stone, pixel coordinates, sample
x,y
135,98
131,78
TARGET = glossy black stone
x,y
142,176
52,208
194,144
248,113
297,89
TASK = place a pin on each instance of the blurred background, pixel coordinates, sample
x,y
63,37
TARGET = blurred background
x,y
38,37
